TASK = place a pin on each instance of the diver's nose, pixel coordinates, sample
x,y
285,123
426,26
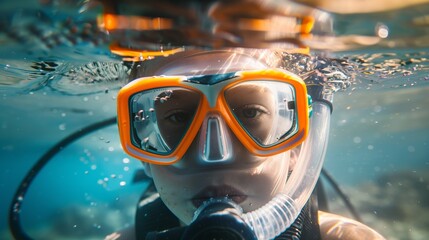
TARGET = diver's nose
x,y
215,142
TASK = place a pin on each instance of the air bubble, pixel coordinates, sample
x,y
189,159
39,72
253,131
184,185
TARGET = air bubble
x,y
357,139
163,99
62,127
382,30
140,115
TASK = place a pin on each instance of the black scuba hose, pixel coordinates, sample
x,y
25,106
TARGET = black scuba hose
x,y
342,195
15,207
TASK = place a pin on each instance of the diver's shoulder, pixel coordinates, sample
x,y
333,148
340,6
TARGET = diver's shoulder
x,y
335,227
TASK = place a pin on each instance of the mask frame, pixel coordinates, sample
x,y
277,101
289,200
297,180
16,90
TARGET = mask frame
x,y
212,100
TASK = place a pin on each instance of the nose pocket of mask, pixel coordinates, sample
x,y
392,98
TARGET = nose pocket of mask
x,y
214,140
216,150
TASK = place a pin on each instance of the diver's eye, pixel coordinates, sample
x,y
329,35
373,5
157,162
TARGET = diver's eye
x,y
178,116
250,113
253,111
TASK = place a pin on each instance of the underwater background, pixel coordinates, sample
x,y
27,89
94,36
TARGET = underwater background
x,y
58,77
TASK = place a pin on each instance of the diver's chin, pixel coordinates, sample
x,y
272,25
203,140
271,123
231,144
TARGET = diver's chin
x,y
213,192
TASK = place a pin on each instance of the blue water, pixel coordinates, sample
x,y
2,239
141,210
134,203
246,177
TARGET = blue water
x,y
92,171
378,149
378,132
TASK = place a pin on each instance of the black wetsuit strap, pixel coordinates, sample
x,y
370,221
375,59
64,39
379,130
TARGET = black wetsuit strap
x,y
153,216
311,228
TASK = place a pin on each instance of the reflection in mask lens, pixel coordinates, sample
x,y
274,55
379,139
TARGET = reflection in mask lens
x,y
161,117
265,109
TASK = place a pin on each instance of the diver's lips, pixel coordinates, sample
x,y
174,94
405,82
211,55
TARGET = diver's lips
x,y
218,192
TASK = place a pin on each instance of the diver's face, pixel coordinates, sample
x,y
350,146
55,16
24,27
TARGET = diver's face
x,y
249,180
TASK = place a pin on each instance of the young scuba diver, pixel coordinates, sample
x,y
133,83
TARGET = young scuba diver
x,y
234,144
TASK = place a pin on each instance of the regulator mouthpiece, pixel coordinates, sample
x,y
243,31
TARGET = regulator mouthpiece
x,y
219,219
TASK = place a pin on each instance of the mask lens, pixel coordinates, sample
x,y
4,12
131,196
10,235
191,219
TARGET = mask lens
x,y
161,117
265,109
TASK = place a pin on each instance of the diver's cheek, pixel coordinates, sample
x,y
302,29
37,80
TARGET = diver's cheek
x,y
264,182
175,192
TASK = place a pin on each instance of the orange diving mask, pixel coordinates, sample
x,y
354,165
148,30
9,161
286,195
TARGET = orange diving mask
x,y
159,117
